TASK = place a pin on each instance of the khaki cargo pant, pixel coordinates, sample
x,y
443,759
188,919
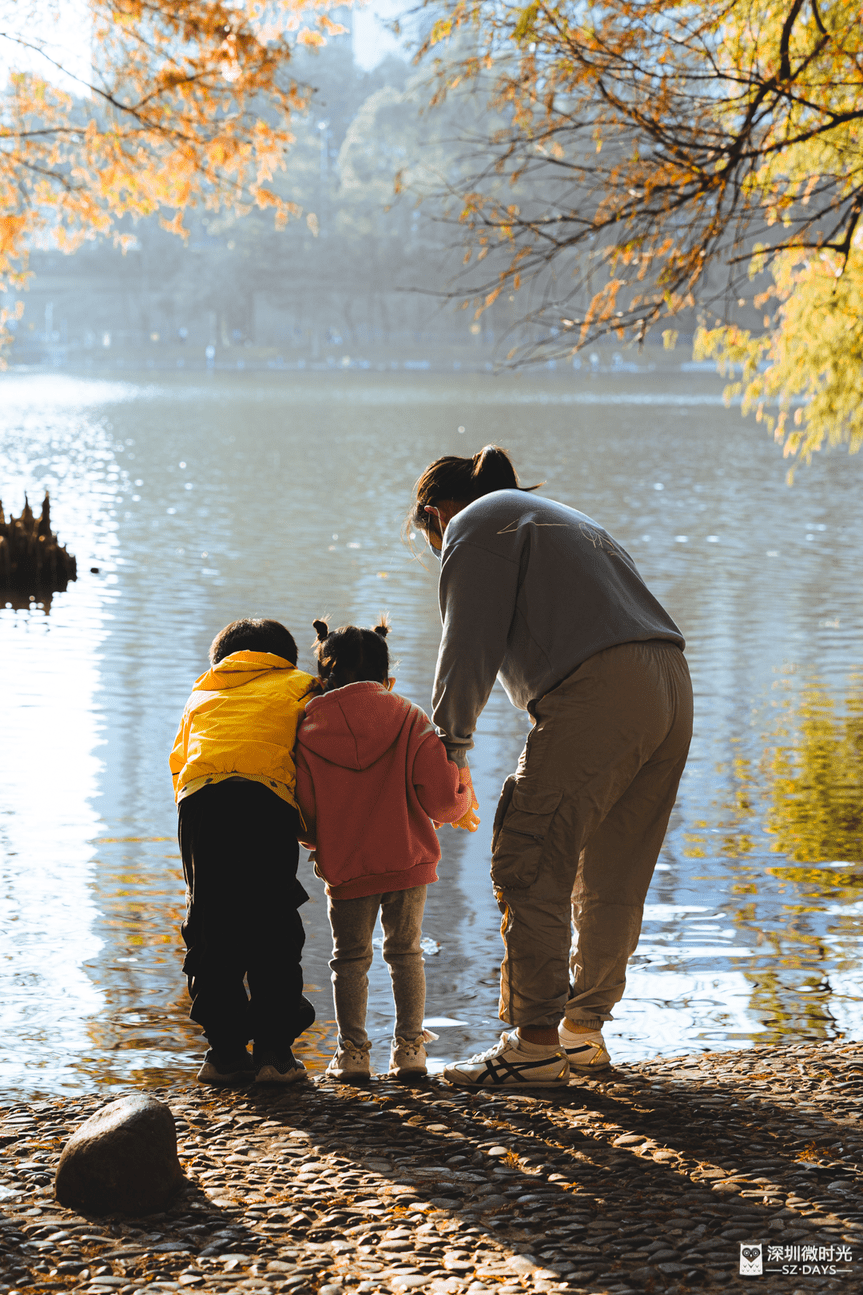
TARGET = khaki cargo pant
x,y
579,828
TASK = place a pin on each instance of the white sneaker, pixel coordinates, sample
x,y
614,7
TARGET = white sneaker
x,y
507,1065
350,1063
408,1057
586,1051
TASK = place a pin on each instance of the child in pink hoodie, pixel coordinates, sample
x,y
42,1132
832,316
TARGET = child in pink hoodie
x,y
371,775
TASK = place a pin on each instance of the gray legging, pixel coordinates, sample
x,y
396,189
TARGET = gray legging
x,y
353,923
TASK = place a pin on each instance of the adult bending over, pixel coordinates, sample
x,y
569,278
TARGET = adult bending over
x,y
540,596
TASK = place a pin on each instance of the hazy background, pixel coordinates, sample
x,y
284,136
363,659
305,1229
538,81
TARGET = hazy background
x,y
257,295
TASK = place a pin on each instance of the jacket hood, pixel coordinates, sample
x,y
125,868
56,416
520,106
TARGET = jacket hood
x,y
355,725
239,668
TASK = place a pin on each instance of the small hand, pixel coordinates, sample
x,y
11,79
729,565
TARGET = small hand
x,y
470,819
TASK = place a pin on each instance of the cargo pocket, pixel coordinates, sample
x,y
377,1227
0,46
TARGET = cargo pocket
x,y
503,805
522,823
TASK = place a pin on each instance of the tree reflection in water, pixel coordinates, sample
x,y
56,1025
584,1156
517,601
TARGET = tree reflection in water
x,y
815,779
806,791
802,800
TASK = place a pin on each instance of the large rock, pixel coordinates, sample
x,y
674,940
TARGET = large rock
x,y
123,1159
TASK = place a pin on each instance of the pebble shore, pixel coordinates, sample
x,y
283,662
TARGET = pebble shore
x,y
645,1179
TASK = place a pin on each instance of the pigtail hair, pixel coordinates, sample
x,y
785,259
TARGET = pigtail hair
x,y
352,655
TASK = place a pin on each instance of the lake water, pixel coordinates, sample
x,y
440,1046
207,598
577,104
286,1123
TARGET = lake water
x,y
204,497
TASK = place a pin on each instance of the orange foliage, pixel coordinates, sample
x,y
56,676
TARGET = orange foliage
x,y
648,142
185,102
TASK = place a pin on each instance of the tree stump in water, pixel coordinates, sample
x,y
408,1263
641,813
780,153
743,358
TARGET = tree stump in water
x,y
31,558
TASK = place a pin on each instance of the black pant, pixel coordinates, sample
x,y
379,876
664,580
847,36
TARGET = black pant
x,y
240,853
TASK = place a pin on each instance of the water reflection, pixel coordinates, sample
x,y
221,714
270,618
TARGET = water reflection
x,y
807,784
801,798
51,729
203,500
815,781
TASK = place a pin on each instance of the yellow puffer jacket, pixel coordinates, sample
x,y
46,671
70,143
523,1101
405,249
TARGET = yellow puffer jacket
x,y
242,719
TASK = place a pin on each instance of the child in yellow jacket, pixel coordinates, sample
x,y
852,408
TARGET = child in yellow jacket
x,y
235,786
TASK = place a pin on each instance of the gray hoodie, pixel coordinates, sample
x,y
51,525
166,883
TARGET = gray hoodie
x,y
529,589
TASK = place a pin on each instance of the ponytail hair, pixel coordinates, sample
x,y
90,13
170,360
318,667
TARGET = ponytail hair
x,y
493,470
351,654
463,481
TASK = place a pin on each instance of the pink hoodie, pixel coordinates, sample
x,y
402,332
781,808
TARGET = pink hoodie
x,y
371,773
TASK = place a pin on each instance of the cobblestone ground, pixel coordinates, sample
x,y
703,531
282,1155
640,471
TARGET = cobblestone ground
x,y
646,1180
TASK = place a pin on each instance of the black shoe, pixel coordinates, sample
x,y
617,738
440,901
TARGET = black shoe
x,y
278,1068
221,1069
